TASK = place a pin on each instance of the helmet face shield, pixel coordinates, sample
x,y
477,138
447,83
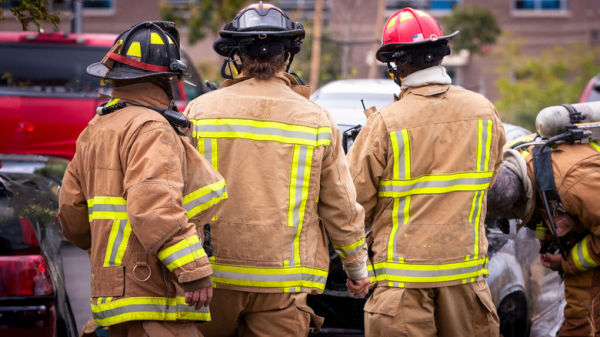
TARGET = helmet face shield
x,y
251,19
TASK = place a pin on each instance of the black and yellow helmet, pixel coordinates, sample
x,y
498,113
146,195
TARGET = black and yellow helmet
x,y
146,49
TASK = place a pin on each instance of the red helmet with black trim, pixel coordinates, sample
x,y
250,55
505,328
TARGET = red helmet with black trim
x,y
409,28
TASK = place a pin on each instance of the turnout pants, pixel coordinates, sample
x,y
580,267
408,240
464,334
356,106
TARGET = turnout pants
x,y
240,313
462,310
154,329
582,312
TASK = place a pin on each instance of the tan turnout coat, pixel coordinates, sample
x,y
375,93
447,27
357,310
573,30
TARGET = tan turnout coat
x,y
421,167
131,196
289,187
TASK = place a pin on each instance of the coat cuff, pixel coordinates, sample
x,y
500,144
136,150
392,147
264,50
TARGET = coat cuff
x,y
357,272
204,282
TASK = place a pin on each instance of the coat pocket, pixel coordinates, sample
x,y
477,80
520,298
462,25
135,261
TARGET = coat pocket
x,y
385,301
108,281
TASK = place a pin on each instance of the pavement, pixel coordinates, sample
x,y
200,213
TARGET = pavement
x,y
76,268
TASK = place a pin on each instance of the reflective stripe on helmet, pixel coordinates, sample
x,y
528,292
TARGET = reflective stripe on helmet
x,y
136,64
146,308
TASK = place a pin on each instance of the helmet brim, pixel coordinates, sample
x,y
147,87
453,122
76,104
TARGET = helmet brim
x,y
395,46
101,71
253,33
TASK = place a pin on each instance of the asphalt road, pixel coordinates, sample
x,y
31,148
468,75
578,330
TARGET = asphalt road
x,y
76,266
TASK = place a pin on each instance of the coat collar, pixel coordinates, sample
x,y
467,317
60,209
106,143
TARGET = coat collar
x,y
279,78
143,93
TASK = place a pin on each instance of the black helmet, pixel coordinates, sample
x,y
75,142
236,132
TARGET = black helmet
x,y
260,30
146,49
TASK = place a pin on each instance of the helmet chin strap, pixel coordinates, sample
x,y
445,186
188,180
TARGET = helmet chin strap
x,y
394,74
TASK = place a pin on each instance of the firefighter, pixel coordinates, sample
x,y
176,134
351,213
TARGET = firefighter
x,y
289,186
573,174
134,191
421,167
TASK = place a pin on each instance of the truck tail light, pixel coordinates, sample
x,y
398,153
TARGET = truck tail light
x,y
24,275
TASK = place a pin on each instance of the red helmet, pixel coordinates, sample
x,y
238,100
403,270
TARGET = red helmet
x,y
409,27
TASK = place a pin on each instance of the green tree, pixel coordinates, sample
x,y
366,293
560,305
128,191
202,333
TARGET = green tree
x,y
31,12
330,68
201,16
530,83
478,28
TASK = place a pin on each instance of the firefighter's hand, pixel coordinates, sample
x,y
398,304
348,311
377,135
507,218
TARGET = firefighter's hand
x,y
552,261
358,288
199,297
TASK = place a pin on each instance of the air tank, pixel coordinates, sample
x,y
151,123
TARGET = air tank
x,y
552,120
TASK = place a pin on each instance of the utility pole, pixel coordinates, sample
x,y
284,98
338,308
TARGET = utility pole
x,y
315,57
378,32
77,19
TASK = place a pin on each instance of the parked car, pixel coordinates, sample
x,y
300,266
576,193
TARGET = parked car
x,y
33,298
529,298
592,90
46,96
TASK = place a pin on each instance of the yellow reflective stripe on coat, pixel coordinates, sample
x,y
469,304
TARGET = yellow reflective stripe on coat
x,y
209,148
595,145
427,273
436,184
286,277
298,195
204,198
344,251
401,170
581,255
484,144
182,253
146,308
262,131
115,209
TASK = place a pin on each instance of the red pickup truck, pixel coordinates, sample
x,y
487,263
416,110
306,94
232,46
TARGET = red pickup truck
x,y
46,96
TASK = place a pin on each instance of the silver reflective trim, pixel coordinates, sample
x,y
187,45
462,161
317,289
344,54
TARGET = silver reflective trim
x,y
182,252
154,308
434,184
350,252
208,150
205,198
269,277
300,171
117,242
484,149
107,208
401,160
582,259
428,273
400,216
257,131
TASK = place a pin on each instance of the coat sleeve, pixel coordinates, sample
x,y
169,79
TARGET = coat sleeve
x,y
341,215
579,199
73,209
154,185
368,159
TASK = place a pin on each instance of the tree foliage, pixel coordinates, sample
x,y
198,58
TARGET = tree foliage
x,y
330,67
530,83
31,12
201,16
478,28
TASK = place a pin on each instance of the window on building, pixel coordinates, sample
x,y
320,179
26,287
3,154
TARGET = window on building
x,y
540,4
98,4
436,5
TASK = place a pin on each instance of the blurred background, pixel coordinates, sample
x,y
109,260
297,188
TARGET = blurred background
x,y
521,54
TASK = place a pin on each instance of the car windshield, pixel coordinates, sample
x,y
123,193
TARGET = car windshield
x,y
48,69
347,109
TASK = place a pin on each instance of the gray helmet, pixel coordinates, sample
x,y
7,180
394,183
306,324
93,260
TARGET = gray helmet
x,y
146,49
